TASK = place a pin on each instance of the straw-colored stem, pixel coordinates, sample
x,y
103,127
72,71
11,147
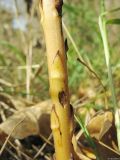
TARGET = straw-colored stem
x,y
61,115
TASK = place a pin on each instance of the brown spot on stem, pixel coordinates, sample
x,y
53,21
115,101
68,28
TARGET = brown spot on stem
x,y
58,6
71,110
66,45
61,29
62,98
41,3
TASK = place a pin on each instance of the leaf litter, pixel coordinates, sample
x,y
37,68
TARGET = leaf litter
x,y
29,119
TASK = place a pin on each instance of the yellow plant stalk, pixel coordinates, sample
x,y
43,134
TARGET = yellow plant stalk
x,y
61,114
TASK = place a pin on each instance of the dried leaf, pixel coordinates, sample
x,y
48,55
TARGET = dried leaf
x,y
102,130
100,124
17,104
78,151
31,125
105,151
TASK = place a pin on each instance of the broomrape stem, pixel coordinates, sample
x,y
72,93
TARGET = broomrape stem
x,y
61,114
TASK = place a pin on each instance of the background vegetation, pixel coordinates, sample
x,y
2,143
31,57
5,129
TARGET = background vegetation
x,y
23,68
81,19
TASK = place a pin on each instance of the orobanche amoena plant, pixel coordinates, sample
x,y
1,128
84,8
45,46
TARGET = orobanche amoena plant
x,y
61,114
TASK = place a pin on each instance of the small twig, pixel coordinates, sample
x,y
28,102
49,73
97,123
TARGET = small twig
x,y
95,74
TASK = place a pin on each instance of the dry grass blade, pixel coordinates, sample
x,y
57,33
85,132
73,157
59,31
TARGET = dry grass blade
x,y
12,154
28,69
103,144
5,83
39,69
42,153
46,140
22,153
43,146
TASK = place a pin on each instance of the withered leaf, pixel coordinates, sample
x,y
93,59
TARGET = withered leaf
x,y
32,117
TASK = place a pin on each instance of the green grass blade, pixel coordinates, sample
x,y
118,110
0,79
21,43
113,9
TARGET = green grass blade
x,y
102,25
113,21
70,8
110,11
87,136
19,54
2,60
103,30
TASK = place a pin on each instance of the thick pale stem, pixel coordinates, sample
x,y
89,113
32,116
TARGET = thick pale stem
x,y
61,115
